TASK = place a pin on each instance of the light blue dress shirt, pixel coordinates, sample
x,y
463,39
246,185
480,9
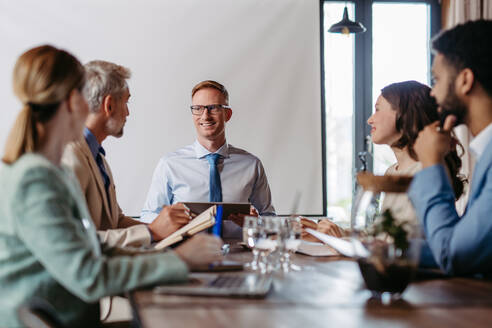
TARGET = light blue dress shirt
x,y
183,176
459,245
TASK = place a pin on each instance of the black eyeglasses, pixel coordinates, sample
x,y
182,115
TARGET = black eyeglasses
x,y
212,109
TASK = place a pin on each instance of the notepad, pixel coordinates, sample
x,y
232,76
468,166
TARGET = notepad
x,y
205,220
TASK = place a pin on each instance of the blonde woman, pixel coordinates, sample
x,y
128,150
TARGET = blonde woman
x,y
48,243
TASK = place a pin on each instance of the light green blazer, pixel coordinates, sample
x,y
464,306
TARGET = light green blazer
x,y
49,248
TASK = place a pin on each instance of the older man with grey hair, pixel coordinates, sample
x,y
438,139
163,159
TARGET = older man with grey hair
x,y
107,95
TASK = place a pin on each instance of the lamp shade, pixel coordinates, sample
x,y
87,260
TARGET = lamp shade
x,y
346,26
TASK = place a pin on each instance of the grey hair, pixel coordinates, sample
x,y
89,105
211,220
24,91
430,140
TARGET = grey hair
x,y
103,78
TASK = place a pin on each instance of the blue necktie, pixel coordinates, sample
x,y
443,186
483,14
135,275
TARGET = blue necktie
x,y
215,188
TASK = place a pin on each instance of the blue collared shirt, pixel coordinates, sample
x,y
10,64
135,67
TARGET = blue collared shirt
x,y
91,140
183,176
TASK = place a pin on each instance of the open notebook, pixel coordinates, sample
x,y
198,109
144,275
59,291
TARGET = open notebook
x,y
205,220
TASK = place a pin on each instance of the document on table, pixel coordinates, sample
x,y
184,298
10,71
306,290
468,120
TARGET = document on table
x,y
352,248
316,249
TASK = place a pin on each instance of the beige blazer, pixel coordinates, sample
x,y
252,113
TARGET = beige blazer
x,y
108,218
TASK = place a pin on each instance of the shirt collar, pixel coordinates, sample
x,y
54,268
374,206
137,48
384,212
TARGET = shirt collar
x,y
202,151
91,140
481,140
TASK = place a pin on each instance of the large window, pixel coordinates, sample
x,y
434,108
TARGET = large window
x,y
339,112
399,53
394,48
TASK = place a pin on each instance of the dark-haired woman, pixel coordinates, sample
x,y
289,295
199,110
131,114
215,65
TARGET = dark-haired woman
x,y
402,110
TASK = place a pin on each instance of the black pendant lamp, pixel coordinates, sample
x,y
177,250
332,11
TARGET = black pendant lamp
x,y
346,26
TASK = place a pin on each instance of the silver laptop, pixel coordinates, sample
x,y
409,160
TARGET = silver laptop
x,y
213,284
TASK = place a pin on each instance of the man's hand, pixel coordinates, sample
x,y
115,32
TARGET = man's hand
x,y
200,250
433,142
170,219
238,218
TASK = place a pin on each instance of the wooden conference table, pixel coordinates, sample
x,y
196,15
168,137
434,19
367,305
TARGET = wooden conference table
x,y
328,292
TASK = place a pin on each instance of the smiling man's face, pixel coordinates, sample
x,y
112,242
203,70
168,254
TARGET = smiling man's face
x,y
210,126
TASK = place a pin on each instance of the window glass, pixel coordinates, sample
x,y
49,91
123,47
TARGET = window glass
x,y
339,111
400,52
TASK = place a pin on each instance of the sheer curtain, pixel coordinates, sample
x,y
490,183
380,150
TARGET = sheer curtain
x,y
455,12
460,11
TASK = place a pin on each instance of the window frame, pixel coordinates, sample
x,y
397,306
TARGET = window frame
x,y
362,79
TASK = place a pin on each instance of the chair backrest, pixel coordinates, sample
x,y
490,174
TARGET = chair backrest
x,y
38,313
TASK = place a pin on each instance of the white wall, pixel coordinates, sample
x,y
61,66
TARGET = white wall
x,y
266,52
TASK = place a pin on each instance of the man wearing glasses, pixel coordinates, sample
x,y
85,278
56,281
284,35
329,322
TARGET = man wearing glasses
x,y
210,169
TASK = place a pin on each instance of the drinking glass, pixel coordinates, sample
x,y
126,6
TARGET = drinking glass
x,y
251,233
291,239
267,244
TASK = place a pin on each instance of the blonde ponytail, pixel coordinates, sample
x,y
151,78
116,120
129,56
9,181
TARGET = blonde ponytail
x,y
21,138
43,78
